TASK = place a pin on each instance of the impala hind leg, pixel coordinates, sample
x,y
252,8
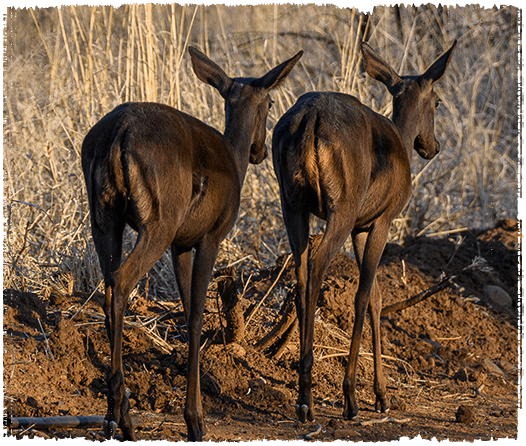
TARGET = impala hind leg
x,y
368,250
203,264
149,247
108,244
336,232
375,308
297,224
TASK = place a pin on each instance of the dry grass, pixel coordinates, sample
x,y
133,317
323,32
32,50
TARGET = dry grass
x,y
65,68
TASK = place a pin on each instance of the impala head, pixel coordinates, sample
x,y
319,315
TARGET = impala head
x,y
414,100
247,100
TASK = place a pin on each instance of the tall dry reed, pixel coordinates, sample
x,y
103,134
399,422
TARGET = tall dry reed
x,y
66,67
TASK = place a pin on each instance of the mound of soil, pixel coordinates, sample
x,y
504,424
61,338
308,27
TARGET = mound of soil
x,y
451,361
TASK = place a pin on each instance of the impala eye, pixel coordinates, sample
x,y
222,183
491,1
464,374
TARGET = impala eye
x,y
437,103
270,104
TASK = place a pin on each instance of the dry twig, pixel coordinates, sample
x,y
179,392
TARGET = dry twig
x,y
254,311
46,348
313,433
399,306
383,420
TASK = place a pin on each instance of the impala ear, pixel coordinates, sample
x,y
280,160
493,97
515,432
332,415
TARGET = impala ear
x,y
209,72
277,74
379,69
437,69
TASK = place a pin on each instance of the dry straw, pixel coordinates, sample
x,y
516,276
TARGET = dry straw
x,y
66,67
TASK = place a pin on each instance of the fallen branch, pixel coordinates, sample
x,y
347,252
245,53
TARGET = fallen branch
x,y
60,422
399,306
282,332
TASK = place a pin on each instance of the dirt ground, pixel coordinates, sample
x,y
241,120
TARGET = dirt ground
x,y
451,361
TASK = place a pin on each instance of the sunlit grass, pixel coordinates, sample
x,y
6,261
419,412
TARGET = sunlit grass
x,y
65,68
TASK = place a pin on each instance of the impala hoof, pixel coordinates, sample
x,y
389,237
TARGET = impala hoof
x,y
110,428
302,412
350,412
381,408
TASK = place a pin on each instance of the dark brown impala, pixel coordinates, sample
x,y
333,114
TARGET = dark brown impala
x,y
339,160
177,182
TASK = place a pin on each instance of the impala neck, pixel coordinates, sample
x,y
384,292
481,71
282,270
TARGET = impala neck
x,y
238,133
407,128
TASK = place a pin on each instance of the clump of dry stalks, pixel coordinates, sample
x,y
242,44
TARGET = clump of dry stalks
x,y
66,67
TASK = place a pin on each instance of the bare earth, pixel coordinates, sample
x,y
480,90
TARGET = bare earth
x,y
451,361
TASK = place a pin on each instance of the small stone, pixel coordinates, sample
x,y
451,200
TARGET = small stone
x,y
491,367
236,350
343,433
498,296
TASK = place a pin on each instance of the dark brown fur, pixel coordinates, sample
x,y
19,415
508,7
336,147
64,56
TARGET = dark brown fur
x,y
339,160
177,182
